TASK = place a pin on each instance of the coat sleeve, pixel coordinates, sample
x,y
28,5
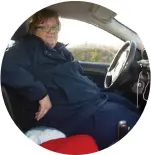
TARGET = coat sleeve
x,y
68,54
15,73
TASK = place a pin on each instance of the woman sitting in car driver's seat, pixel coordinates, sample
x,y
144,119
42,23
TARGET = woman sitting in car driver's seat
x,y
42,69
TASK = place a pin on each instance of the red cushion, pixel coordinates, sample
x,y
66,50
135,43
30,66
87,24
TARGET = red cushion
x,y
78,144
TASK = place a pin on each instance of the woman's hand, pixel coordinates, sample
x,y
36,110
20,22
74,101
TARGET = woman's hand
x,y
44,106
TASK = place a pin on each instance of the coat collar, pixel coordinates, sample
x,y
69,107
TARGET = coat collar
x,y
58,46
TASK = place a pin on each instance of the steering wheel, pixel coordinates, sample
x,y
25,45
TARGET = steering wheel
x,y
120,65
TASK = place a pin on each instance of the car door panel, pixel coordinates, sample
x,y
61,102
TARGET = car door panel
x,y
95,71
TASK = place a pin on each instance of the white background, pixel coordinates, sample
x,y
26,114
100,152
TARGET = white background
x,y
13,13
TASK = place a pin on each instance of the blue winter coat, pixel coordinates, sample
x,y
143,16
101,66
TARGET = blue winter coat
x,y
34,70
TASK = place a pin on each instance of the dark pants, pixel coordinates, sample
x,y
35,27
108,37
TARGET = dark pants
x,y
103,125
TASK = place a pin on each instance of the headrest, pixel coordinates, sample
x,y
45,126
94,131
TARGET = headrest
x,y
20,32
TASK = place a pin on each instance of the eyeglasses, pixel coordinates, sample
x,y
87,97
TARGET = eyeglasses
x,y
48,28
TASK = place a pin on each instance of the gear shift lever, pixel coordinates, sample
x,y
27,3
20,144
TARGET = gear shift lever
x,y
123,129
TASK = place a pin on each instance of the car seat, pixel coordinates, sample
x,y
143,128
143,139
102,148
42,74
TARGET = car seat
x,y
17,106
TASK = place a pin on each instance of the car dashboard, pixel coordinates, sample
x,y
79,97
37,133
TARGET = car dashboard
x,y
137,81
141,86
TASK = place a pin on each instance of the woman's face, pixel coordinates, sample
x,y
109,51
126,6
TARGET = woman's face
x,y
48,31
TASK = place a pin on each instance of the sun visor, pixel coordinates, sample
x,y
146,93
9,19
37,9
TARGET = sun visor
x,y
102,14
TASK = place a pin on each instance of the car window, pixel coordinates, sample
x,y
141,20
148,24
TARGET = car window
x,y
88,42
